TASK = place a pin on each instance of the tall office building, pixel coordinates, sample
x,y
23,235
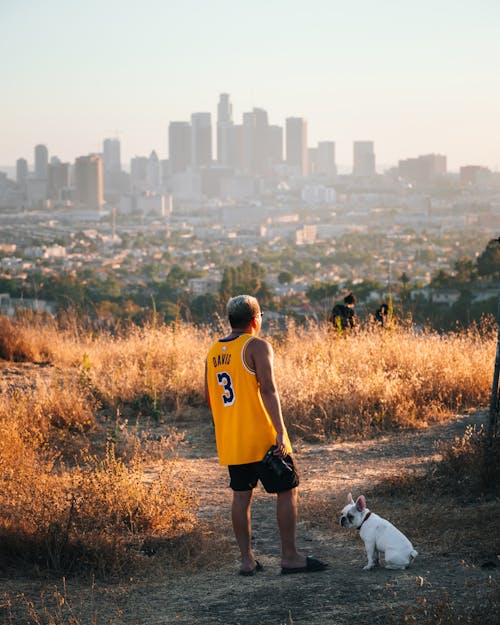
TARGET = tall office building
x,y
224,126
111,164
111,156
179,146
312,161
139,173
89,182
262,145
41,161
58,180
21,171
296,144
236,145
261,163
363,159
153,172
248,143
275,144
325,159
201,140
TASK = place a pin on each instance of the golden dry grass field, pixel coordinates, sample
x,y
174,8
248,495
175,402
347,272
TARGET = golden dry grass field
x,y
109,480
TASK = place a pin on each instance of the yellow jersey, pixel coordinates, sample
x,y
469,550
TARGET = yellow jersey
x,y
243,429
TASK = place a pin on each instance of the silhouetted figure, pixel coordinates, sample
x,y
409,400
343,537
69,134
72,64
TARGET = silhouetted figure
x,y
343,316
382,314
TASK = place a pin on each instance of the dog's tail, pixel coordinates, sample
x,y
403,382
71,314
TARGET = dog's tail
x,y
413,555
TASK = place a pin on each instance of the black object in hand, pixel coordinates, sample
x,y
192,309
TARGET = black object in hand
x,y
275,463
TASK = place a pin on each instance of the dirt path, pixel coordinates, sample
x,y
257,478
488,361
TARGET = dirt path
x,y
339,595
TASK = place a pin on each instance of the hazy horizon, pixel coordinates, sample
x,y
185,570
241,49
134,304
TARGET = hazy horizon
x,y
413,79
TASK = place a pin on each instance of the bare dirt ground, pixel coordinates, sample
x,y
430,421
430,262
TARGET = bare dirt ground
x,y
343,593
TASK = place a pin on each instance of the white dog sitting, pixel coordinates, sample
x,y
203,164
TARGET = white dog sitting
x,y
379,536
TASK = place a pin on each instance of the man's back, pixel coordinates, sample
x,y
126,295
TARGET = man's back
x,y
342,317
244,431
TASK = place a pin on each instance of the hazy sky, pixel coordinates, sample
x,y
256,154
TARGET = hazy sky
x,y
415,76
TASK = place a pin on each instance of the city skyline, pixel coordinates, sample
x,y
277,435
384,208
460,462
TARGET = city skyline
x,y
412,79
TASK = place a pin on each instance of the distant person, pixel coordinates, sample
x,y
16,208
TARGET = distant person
x,y
250,433
382,314
343,316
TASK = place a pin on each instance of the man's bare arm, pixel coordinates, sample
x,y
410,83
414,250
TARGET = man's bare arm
x,y
261,357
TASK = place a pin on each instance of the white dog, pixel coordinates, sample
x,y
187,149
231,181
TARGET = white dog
x,y
379,536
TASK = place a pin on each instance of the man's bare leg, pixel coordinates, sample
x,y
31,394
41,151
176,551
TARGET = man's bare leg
x,y
242,527
286,513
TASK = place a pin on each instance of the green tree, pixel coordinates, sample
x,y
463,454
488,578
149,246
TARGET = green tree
x,y
465,271
285,277
247,278
319,291
488,262
441,280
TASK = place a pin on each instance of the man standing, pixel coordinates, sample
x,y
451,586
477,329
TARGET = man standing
x,y
241,390
343,316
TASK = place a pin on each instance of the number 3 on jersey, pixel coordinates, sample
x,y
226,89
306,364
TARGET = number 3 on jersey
x,y
224,380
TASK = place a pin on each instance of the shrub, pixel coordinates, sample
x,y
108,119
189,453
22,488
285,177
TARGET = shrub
x,y
93,516
378,379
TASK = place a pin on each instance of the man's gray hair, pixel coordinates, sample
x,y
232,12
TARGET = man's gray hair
x,y
241,309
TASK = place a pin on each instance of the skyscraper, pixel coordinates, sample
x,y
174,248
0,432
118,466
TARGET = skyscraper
x,y
275,144
224,125
89,182
325,159
296,144
179,146
201,139
363,159
41,161
21,171
111,164
58,180
139,173
111,156
153,172
248,142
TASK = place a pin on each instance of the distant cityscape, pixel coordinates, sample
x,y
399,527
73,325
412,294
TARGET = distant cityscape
x,y
264,196
252,159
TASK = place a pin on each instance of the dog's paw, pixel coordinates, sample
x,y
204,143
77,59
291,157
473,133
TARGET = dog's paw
x,y
369,566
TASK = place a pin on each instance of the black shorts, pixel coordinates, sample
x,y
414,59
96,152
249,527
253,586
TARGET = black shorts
x,y
244,477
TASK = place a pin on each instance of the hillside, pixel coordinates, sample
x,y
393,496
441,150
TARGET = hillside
x,y
114,508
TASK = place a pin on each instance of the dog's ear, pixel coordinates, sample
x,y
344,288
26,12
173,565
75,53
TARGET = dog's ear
x,y
360,503
349,498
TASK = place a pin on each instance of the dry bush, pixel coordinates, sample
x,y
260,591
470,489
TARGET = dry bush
x,y
377,379
93,516
61,413
29,338
94,519
468,469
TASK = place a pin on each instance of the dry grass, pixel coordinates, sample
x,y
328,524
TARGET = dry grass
x,y
75,487
380,379
95,515
438,610
329,384
64,510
